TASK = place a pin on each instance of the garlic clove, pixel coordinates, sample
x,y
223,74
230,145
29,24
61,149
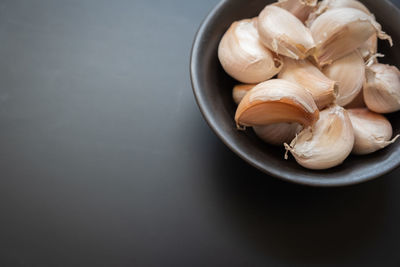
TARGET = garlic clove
x,y
358,101
299,8
240,90
327,143
243,56
284,34
276,101
382,88
347,3
372,131
304,73
278,133
338,32
326,5
349,72
369,48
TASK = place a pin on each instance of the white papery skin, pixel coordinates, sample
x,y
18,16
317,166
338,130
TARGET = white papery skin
x,y
346,3
349,72
304,73
382,88
372,131
243,56
326,5
327,143
278,89
276,101
278,133
338,32
284,34
369,48
301,9
240,90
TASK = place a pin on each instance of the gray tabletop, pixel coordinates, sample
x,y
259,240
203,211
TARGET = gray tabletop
x,y
105,159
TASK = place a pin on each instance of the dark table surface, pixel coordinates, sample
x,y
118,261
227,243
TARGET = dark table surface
x,y
106,161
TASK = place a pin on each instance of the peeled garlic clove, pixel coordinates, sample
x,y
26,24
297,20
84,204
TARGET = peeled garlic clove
x,y
300,8
284,34
240,90
372,131
278,133
276,101
382,88
338,32
369,48
243,56
358,102
326,5
349,72
326,144
304,73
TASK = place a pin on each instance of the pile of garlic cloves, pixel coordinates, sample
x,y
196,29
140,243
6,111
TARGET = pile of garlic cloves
x,y
310,79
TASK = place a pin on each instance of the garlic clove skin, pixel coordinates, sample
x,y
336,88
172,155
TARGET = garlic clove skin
x,y
327,143
358,101
304,73
240,90
326,5
347,3
278,133
276,101
382,88
338,32
349,72
301,9
372,131
242,55
369,48
284,34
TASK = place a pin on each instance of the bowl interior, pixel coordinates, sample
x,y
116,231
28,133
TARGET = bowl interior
x,y
213,89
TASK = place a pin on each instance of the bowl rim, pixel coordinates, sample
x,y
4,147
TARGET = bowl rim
x,y
201,103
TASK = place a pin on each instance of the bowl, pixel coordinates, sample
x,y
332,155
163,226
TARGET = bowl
x,y
212,88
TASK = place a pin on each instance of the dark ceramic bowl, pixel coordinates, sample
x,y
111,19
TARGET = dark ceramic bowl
x,y
213,87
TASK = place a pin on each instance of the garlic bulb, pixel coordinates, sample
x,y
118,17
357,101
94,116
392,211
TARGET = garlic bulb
x,y
382,88
358,102
240,90
276,101
327,143
304,73
300,8
349,72
326,5
372,131
369,48
284,34
338,32
278,133
242,55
